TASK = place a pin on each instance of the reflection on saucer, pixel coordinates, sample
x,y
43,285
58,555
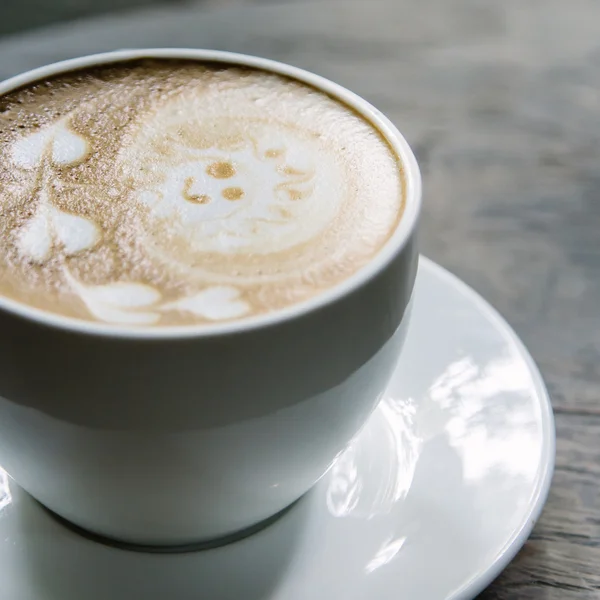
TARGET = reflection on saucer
x,y
347,496
5,493
472,393
446,478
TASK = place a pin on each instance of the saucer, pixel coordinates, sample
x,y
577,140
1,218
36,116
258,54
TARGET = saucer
x,y
431,500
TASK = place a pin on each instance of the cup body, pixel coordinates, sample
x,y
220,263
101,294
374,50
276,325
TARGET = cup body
x,y
182,435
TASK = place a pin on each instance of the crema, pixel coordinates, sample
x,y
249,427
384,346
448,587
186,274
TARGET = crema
x,y
170,192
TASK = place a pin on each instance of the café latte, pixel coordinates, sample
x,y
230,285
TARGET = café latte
x,y
169,192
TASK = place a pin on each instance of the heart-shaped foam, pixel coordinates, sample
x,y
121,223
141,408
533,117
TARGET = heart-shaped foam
x,y
116,302
74,232
214,303
50,225
121,294
27,152
34,240
68,147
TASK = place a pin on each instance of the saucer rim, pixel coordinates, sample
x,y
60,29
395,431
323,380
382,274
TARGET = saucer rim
x,y
478,577
541,488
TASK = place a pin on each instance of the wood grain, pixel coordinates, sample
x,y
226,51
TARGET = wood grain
x,y
562,558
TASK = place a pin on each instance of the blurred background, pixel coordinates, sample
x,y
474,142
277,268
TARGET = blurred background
x,y
28,14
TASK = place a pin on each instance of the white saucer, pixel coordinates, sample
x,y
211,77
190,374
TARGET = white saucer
x,y
431,501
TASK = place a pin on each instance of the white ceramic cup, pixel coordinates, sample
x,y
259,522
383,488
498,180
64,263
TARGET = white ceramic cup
x,y
179,435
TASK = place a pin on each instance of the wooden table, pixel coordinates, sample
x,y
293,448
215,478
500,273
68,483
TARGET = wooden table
x,y
501,101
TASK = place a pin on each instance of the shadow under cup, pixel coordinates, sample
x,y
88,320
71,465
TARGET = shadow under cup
x,y
164,438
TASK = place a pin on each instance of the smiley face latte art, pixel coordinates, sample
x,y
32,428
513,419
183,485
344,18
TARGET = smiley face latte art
x,y
163,192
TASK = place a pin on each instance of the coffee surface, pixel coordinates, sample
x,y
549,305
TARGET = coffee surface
x,y
163,192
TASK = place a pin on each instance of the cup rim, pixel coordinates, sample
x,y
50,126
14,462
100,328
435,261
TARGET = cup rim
x,y
392,247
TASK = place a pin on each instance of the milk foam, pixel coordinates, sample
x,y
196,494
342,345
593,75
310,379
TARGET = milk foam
x,y
270,196
172,192
63,146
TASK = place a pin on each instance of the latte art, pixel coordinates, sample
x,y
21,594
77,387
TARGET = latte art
x,y
165,192
258,192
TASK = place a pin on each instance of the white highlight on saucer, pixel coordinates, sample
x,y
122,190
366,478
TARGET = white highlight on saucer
x,y
214,303
50,225
117,302
68,147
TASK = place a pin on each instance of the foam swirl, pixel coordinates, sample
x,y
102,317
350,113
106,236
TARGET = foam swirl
x,y
172,192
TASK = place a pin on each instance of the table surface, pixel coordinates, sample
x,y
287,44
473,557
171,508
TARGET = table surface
x,y
501,102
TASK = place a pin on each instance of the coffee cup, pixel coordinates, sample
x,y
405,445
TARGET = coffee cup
x,y
190,433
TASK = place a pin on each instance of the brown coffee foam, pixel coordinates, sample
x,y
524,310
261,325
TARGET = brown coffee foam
x,y
107,106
